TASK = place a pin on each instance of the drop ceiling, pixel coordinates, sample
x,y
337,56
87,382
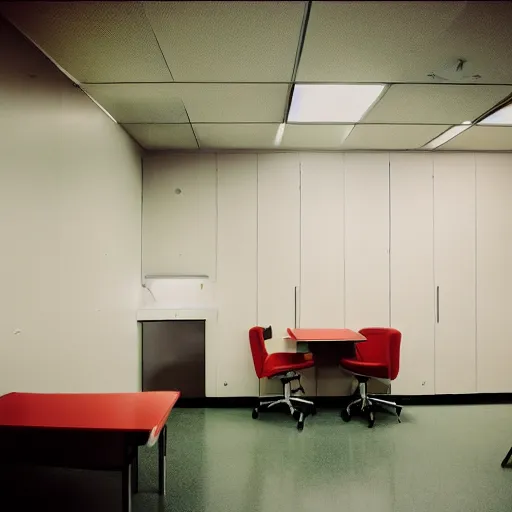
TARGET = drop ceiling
x,y
218,75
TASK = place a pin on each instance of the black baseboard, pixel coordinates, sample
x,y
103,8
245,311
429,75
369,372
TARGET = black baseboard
x,y
335,402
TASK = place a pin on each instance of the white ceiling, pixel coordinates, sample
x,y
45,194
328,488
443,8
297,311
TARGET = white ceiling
x,y
403,41
226,41
489,138
218,75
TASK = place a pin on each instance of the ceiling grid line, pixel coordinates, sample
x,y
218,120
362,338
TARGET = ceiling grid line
x,y
142,4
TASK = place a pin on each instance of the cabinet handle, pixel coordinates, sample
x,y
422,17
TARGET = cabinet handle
x,y
295,302
437,301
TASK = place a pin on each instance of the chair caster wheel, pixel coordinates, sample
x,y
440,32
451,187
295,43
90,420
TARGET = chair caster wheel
x,y
345,415
300,422
371,419
296,414
313,411
255,413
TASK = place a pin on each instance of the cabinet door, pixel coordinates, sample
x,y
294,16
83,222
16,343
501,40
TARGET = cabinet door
x,y
322,286
366,240
455,272
322,252
278,244
173,357
179,217
236,273
412,270
494,272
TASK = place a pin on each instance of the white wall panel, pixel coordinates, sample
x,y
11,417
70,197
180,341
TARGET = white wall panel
x,y
494,272
322,240
179,215
322,286
412,270
366,240
237,263
455,272
278,243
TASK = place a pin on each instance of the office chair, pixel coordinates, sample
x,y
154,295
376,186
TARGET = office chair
x,y
283,366
378,358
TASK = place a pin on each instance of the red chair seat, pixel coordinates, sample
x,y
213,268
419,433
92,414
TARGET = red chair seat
x,y
367,368
282,362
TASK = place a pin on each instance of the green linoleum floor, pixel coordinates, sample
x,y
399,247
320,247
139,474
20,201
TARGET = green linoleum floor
x,y
438,459
221,460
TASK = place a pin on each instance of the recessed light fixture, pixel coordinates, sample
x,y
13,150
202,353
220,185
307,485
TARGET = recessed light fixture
x,y
448,135
332,103
503,116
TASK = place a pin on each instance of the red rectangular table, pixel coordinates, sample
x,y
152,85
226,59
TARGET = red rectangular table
x,y
99,431
325,335
328,345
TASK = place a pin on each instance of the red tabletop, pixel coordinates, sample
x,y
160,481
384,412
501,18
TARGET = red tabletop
x,y
129,412
312,335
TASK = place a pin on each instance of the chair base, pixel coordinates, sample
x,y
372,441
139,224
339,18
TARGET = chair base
x,y
288,399
367,404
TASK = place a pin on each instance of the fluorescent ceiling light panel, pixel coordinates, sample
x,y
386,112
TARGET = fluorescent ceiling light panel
x,y
332,103
446,136
502,116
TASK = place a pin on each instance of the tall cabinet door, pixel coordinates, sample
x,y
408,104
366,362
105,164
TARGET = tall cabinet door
x,y
278,244
322,246
412,270
322,279
366,240
494,272
455,272
236,289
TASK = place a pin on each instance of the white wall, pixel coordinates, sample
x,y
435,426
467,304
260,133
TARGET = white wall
x,y
364,238
70,202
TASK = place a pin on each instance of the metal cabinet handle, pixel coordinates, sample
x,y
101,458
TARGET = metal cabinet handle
x,y
295,303
437,304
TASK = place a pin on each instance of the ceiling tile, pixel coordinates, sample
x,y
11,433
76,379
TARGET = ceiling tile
x,y
236,136
140,103
237,103
436,104
162,136
228,41
484,138
209,103
405,41
300,136
93,41
380,136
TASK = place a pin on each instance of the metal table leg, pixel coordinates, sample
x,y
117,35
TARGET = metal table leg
x,y
135,471
162,460
126,488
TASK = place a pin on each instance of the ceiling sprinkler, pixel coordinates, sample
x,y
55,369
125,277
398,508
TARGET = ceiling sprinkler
x,y
459,71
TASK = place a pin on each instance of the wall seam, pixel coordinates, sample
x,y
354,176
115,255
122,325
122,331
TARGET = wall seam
x,y
476,273
389,236
258,249
434,264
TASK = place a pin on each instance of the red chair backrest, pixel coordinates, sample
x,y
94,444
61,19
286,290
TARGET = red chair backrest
x,y
258,349
383,346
